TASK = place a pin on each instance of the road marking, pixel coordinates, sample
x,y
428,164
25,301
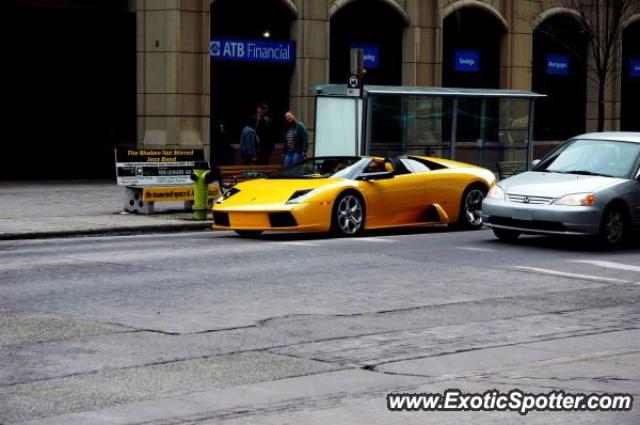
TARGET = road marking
x,y
375,239
572,275
609,265
471,248
297,243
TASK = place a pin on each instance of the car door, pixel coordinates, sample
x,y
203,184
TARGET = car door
x,y
397,200
440,185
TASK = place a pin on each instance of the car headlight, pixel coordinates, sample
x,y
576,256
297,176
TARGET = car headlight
x,y
299,196
496,192
227,194
577,200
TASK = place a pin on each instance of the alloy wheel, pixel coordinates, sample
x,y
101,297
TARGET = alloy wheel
x,y
473,207
349,215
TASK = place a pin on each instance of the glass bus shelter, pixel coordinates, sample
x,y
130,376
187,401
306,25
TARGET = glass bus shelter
x,y
490,128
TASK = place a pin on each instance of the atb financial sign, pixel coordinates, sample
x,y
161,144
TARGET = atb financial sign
x,y
223,49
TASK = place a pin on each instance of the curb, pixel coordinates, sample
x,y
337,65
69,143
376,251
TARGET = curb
x,y
111,231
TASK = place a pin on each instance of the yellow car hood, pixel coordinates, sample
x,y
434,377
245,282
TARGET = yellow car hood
x,y
273,191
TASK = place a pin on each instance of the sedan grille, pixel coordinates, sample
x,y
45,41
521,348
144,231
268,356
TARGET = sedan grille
x,y
529,199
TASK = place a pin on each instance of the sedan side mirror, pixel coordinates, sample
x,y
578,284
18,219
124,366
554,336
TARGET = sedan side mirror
x,y
376,176
535,162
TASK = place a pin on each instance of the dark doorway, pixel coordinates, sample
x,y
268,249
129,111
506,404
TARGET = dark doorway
x,y
374,26
237,87
559,71
471,52
630,108
69,87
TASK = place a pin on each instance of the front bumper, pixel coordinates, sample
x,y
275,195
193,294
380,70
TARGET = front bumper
x,y
305,217
541,219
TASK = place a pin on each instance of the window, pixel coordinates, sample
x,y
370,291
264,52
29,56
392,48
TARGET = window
x,y
414,166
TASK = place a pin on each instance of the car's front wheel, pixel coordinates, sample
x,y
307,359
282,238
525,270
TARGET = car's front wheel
x,y
614,228
471,207
506,235
348,215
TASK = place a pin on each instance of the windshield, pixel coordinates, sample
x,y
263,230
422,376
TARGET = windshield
x,y
318,168
592,158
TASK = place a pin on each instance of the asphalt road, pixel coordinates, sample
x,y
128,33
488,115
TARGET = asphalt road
x,y
209,328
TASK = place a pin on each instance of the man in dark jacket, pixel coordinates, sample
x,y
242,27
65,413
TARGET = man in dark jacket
x,y
295,141
264,129
249,142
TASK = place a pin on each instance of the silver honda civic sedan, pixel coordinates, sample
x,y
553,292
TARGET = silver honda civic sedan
x,y
588,186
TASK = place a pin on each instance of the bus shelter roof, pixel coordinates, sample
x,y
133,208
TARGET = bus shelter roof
x,y
369,90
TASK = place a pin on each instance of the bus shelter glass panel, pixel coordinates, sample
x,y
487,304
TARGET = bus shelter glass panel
x,y
493,132
427,126
413,125
385,138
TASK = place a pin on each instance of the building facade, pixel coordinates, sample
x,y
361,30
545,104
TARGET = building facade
x,y
183,91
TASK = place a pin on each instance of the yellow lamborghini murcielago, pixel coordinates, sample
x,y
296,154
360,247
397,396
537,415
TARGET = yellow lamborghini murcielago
x,y
347,195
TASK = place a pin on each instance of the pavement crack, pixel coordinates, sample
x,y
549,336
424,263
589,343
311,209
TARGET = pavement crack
x,y
567,378
471,349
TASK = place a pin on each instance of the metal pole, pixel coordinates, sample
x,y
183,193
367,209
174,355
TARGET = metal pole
x,y
532,108
454,128
483,128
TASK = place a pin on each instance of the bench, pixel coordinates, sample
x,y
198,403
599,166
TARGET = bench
x,y
234,174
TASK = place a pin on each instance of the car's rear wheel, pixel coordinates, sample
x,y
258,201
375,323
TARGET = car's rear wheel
x,y
348,215
614,229
248,233
471,207
506,235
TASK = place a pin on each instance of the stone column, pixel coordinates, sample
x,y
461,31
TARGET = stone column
x,y
517,49
311,34
173,73
422,44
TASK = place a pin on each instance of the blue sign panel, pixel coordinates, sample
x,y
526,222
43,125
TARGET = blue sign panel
x,y
371,55
252,50
634,67
558,65
466,60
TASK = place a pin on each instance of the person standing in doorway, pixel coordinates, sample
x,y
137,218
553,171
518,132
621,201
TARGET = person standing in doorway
x,y
295,141
249,142
264,129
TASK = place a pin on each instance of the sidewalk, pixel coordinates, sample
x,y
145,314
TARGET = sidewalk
x,y
65,208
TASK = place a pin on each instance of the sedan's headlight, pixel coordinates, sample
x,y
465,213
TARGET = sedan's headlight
x,y
299,196
496,192
577,200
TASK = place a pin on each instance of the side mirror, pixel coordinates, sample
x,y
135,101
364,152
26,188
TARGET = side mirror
x,y
535,162
383,175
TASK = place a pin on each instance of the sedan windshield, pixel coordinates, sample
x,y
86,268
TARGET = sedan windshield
x,y
318,168
592,158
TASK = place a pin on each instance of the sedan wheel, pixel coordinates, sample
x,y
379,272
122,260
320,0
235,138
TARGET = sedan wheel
x,y
348,215
471,208
614,228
